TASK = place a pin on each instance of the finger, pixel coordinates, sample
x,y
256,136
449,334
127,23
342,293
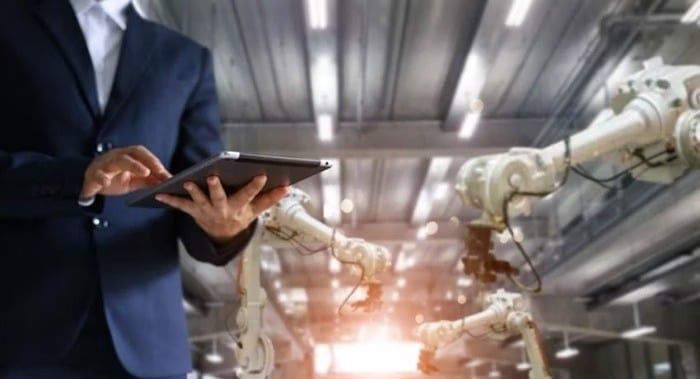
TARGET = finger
x,y
150,181
268,199
148,159
197,195
246,194
184,205
126,163
94,183
217,193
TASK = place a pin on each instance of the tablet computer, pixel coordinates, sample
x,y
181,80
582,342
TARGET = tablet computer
x,y
235,170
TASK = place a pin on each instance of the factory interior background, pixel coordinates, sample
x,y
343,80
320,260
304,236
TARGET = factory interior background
x,y
397,95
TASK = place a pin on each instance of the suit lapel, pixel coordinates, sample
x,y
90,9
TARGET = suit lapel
x,y
59,20
140,40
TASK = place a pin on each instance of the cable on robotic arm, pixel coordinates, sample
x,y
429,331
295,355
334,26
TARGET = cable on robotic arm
x,y
506,221
359,282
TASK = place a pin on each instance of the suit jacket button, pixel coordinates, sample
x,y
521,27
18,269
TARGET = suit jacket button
x,y
103,147
99,223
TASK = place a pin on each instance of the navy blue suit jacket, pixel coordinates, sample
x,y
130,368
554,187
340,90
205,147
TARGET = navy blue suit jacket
x,y
53,252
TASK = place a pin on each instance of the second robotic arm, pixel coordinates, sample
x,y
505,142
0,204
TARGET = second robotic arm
x,y
505,315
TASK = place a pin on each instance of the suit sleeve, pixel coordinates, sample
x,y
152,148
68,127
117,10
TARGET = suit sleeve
x,y
35,185
199,139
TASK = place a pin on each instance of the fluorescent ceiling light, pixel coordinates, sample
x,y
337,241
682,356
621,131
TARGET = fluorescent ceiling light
x,y
318,13
638,331
522,366
517,13
469,124
214,356
324,122
567,352
441,191
692,14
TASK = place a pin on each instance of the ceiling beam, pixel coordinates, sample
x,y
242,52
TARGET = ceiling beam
x,y
415,139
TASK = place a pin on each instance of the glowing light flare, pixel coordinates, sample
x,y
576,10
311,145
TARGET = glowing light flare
x,y
385,357
347,206
431,228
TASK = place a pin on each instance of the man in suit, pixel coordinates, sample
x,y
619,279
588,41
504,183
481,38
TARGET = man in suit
x,y
97,102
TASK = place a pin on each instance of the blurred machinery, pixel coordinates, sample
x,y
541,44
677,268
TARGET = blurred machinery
x,y
653,128
288,223
504,315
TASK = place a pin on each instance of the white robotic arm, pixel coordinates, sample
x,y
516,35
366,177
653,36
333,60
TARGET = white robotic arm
x,y
653,123
505,314
290,219
286,222
656,112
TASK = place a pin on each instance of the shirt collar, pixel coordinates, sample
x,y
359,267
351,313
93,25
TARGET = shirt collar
x,y
115,9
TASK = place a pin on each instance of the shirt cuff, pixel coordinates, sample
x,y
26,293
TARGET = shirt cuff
x,y
86,202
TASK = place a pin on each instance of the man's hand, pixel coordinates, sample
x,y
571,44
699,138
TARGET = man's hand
x,y
121,171
223,217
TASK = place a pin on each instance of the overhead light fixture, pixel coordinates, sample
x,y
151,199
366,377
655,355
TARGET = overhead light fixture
x,y
318,14
471,120
324,122
517,13
335,283
567,351
213,356
449,295
692,14
278,284
494,373
347,206
638,330
523,365
283,298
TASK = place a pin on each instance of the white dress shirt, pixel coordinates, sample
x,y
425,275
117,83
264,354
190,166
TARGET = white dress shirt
x,y
103,24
